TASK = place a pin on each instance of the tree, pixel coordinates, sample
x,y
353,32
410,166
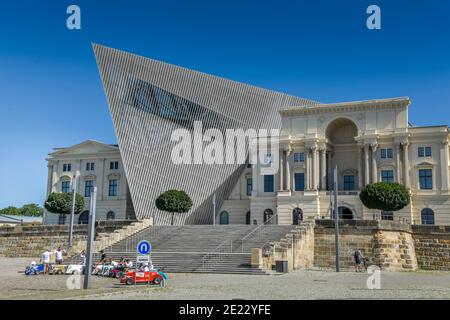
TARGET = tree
x,y
62,203
31,210
12,211
385,196
174,201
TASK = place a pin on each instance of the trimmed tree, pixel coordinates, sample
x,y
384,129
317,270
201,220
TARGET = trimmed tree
x,y
174,201
62,203
385,196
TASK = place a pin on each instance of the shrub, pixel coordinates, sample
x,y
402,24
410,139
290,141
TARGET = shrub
x,y
385,196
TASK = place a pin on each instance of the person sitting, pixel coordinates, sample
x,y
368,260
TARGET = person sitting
x,y
129,264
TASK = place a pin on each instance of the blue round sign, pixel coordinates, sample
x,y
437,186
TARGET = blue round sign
x,y
144,247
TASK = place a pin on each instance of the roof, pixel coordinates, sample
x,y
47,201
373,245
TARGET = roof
x,y
18,219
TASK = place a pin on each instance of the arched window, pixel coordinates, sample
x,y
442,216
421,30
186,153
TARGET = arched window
x,y
268,214
62,218
427,216
297,216
110,215
224,217
247,217
84,217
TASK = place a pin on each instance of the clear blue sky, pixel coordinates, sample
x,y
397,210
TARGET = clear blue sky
x,y
51,94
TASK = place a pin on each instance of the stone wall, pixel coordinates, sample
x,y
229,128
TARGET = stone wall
x,y
297,248
386,244
31,241
432,245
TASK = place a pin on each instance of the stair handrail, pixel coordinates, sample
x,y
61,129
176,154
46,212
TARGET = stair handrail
x,y
258,230
220,249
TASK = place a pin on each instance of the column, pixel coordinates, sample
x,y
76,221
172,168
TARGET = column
x,y
406,164
323,157
316,169
397,159
360,170
374,164
280,170
329,173
366,164
444,166
307,165
288,170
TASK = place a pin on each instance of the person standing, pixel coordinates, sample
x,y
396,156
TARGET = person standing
x,y
59,255
358,256
46,260
83,257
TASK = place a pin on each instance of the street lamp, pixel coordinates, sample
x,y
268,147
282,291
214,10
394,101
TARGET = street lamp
x,y
72,211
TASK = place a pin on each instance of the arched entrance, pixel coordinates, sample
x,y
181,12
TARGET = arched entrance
x,y
268,214
297,216
247,217
344,213
341,134
84,217
224,217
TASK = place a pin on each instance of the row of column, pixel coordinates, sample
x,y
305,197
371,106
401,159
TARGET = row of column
x,y
371,165
315,169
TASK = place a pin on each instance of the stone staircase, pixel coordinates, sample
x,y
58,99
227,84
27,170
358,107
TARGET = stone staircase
x,y
187,248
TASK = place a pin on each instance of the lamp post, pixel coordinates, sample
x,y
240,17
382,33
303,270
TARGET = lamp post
x,y
214,209
90,240
72,211
336,218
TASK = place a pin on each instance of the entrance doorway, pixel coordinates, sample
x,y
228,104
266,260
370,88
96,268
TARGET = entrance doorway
x,y
84,217
344,213
297,216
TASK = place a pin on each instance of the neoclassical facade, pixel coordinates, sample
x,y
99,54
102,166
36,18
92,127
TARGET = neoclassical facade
x,y
368,141
94,164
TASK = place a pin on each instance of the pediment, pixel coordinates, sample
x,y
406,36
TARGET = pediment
x,y
86,147
425,164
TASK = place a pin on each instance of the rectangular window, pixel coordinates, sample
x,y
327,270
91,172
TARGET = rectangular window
x,y
349,183
112,188
426,179
387,153
67,167
424,152
269,183
88,187
249,186
299,157
90,166
387,176
114,165
65,186
299,180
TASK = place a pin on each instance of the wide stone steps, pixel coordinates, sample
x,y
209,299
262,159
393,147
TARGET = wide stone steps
x,y
194,248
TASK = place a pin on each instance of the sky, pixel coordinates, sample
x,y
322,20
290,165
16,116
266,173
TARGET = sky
x,y
51,94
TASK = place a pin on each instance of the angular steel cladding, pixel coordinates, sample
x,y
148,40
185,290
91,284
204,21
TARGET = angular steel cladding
x,y
148,99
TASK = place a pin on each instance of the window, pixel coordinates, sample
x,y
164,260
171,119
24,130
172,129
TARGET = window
x,y
299,181
249,186
65,186
297,216
114,165
387,215
427,216
247,217
268,183
224,217
110,215
67,167
387,176
426,179
349,183
424,152
299,157
62,218
88,188
268,215
112,188
90,166
387,153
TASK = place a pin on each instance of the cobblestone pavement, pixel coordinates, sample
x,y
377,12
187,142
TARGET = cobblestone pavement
x,y
296,285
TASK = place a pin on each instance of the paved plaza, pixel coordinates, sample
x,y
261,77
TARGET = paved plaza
x,y
296,285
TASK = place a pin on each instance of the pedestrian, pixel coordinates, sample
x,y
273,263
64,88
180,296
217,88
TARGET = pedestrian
x,y
83,257
358,256
102,257
46,260
59,255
